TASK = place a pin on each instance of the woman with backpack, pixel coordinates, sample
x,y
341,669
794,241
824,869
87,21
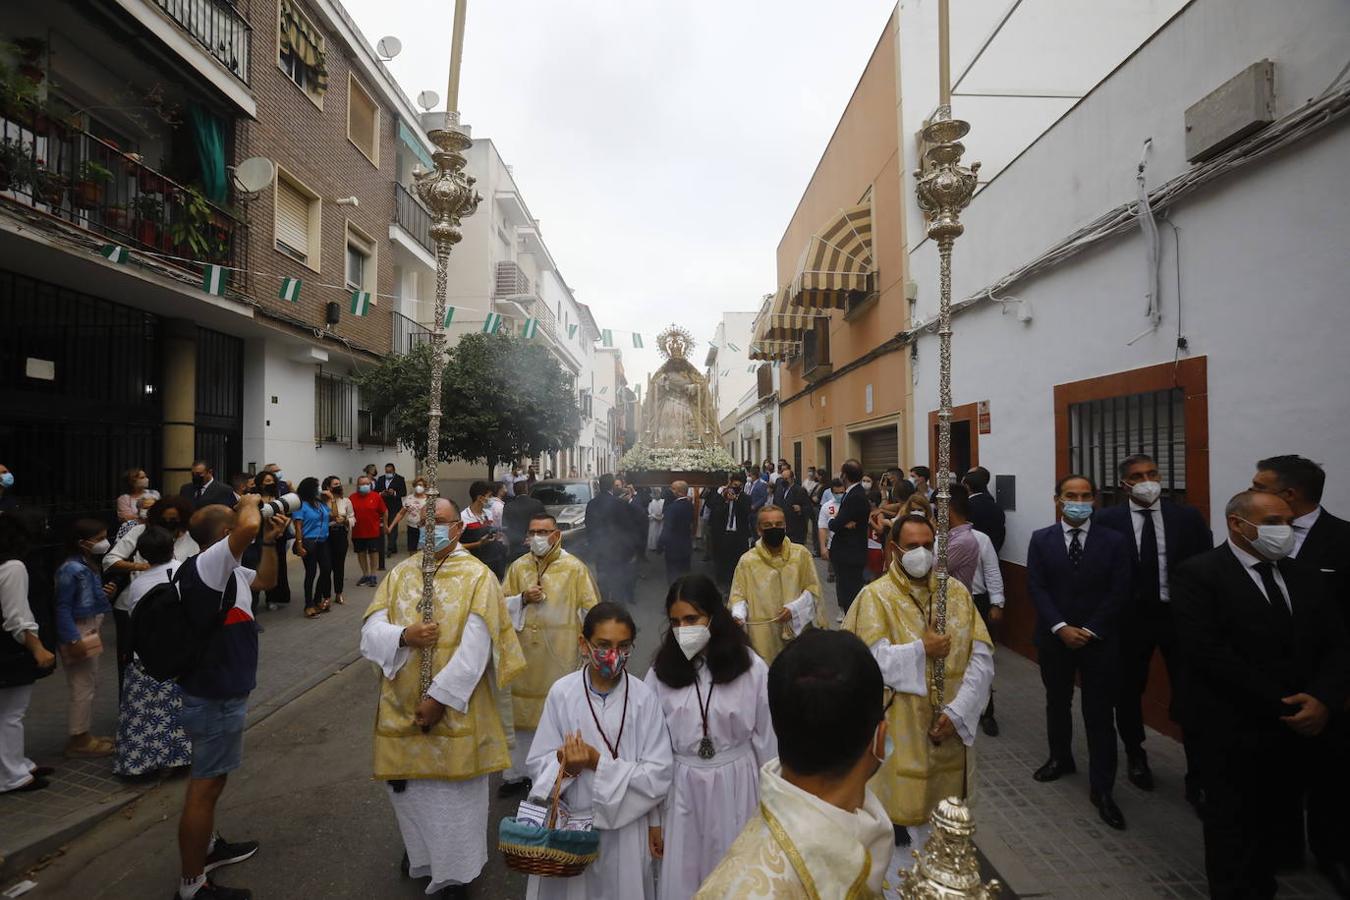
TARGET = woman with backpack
x,y
150,734
81,604
23,660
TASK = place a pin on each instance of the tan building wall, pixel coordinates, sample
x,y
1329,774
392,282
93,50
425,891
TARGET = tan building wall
x,y
862,156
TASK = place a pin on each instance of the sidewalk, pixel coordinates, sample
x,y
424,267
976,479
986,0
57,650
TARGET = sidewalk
x,y
295,654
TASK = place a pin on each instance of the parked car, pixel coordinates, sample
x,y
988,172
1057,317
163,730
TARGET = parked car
x,y
566,501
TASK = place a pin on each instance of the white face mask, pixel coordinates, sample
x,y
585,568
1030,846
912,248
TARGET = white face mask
x,y
540,545
101,548
917,562
142,483
1274,542
867,484
692,639
419,490
1146,492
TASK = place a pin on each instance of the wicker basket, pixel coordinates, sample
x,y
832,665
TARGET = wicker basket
x,y
547,851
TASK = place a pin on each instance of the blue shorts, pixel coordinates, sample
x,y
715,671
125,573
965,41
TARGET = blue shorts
x,y
216,730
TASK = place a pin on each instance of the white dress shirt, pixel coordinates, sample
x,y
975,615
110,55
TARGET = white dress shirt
x,y
1137,519
1250,562
1302,525
988,576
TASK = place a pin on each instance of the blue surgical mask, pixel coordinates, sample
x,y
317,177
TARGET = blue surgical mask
x,y
888,749
7,479
1077,510
440,537
365,488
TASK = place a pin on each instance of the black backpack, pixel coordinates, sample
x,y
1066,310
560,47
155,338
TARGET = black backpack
x,y
162,635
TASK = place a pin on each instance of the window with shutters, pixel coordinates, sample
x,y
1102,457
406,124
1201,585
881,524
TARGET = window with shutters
x,y
300,51
363,121
298,216
333,397
360,260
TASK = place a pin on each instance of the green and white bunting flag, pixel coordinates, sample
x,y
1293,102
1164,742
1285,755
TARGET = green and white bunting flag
x,y
751,368
113,253
605,389
726,372
606,338
571,331
531,328
492,323
449,316
733,348
290,290
360,303
213,280
637,340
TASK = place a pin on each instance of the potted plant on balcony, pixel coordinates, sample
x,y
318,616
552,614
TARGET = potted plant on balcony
x,y
48,186
149,219
189,228
16,168
90,183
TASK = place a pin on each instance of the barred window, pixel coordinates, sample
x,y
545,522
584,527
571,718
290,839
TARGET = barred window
x,y
332,409
1104,432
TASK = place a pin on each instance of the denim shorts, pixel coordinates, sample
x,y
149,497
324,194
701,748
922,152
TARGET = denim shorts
x,y
216,730
366,545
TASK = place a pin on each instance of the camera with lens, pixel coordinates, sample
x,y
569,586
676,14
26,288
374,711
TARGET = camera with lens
x,y
286,505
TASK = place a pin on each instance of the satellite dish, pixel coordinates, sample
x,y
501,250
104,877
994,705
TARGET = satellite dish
x,y
254,174
427,100
389,47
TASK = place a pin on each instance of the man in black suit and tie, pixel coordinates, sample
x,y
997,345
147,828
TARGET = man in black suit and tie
x,y
730,519
204,490
985,513
1321,543
393,489
1267,668
1078,576
1161,535
848,544
677,531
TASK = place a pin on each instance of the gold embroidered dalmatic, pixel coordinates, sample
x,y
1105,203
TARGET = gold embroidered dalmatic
x,y
461,745
918,775
549,638
765,581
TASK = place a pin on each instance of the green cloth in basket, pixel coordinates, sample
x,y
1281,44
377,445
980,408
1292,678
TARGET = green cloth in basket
x,y
527,839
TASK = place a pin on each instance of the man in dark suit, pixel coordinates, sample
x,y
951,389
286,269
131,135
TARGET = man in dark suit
x,y
795,502
1267,669
204,490
677,531
1161,535
1079,578
848,544
729,522
393,489
1321,543
985,513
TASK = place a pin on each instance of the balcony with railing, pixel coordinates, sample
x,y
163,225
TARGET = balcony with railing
x,y
816,351
413,217
407,334
510,281
65,173
218,27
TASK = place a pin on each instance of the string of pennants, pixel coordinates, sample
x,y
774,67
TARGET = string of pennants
x,y
215,278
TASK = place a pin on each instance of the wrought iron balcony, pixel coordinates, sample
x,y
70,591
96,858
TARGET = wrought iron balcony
x,y
218,27
412,217
407,334
510,281
69,174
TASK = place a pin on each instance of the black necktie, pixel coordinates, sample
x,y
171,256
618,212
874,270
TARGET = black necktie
x,y
1279,604
1149,574
1075,546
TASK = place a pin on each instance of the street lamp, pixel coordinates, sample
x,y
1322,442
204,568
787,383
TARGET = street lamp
x,y
448,192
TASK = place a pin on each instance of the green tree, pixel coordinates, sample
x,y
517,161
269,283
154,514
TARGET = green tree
x,y
502,398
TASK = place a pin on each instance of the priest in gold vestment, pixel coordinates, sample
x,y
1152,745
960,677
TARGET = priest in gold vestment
x,y
820,834
775,591
436,752
548,592
894,616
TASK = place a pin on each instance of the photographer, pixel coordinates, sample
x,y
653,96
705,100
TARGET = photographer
x,y
269,487
482,534
729,519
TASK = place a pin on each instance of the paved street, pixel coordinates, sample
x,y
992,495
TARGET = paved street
x,y
327,830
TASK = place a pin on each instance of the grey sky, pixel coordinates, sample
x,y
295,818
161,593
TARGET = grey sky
x,y
662,146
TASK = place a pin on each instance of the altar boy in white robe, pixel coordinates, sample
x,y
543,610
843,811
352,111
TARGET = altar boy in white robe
x,y
605,731
714,691
436,752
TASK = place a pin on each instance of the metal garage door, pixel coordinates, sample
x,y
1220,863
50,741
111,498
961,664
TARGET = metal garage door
x,y
879,449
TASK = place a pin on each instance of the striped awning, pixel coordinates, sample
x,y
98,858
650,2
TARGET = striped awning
x,y
778,322
837,261
774,350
